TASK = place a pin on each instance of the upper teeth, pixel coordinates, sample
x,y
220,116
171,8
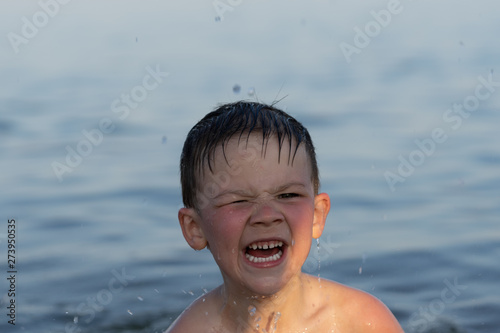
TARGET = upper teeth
x,y
265,245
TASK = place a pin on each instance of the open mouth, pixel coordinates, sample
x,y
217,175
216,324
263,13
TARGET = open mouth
x,y
265,251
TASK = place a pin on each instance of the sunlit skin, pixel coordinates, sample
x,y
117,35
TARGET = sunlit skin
x,y
262,200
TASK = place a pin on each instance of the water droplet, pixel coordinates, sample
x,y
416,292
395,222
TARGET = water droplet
x,y
293,242
251,92
236,88
233,250
319,259
156,291
75,320
251,310
360,270
140,298
203,300
234,302
130,312
205,291
190,293
276,318
206,313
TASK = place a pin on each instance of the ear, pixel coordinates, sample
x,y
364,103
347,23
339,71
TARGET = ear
x,y
321,209
190,222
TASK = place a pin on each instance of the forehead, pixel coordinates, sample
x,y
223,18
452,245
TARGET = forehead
x,y
256,152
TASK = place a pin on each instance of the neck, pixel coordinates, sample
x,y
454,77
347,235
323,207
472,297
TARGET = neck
x,y
247,312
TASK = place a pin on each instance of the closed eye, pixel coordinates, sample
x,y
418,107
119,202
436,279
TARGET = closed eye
x,y
238,201
288,195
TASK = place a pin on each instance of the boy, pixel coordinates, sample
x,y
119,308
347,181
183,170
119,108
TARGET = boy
x,y
250,188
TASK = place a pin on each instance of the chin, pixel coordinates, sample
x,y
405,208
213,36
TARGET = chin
x,y
266,287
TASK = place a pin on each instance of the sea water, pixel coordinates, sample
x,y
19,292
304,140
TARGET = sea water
x,y
100,249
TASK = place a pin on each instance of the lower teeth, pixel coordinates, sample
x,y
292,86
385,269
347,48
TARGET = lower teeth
x,y
267,259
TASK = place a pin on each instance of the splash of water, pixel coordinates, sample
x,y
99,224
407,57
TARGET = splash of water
x,y
276,318
363,259
319,259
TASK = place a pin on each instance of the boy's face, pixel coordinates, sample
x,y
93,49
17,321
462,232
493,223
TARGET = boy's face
x,y
260,217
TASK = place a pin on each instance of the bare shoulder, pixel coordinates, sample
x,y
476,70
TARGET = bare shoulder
x,y
356,310
198,317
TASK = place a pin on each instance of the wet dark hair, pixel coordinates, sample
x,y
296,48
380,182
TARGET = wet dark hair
x,y
240,118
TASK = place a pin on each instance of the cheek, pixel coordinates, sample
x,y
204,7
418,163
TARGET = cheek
x,y
300,217
225,227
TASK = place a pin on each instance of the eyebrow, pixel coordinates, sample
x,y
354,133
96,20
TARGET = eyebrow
x,y
243,193
236,192
288,185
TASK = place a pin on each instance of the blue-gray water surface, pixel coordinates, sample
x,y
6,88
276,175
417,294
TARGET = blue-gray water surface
x,y
402,99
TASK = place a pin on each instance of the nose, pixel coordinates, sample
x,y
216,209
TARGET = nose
x,y
265,213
